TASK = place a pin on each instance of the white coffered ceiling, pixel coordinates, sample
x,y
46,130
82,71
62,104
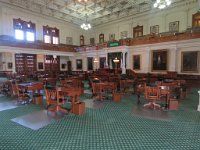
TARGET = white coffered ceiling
x,y
96,11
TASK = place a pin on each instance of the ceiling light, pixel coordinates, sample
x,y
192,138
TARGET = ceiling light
x,y
86,26
161,4
96,60
116,60
82,0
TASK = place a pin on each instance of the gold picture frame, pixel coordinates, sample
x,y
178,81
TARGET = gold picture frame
x,y
79,65
190,61
111,37
154,29
136,62
174,26
159,60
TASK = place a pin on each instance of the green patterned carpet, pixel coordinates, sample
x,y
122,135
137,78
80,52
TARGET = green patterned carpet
x,y
113,127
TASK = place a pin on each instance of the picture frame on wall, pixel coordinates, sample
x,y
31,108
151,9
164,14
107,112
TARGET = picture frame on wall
x,y
92,41
154,29
101,38
40,66
10,65
174,26
79,64
111,37
159,60
136,62
190,61
102,62
124,34
63,66
69,41
90,63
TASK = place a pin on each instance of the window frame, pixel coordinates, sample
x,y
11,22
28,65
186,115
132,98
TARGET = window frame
x,y
53,33
25,27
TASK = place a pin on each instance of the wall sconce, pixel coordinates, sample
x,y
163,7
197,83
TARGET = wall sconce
x,y
95,60
116,60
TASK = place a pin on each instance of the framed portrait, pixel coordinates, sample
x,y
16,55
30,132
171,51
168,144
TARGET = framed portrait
x,y
124,34
159,60
92,41
137,31
79,64
82,40
190,61
174,26
111,37
63,66
136,62
90,63
154,29
40,66
102,62
10,65
69,41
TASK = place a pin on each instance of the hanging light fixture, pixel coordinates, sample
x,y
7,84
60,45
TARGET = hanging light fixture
x,y
82,0
161,4
86,25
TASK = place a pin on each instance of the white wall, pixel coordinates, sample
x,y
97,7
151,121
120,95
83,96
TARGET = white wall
x,y
66,29
174,58
182,13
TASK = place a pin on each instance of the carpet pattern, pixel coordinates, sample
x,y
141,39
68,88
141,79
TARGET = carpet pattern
x,y
112,127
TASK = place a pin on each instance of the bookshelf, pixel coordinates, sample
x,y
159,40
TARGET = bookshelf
x,y
25,63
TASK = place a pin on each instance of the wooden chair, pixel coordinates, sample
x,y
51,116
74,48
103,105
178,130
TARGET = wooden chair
x,y
97,91
152,93
69,94
139,89
165,94
53,100
22,94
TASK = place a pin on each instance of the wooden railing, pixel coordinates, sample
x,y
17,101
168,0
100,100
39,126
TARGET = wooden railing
x,y
192,33
9,41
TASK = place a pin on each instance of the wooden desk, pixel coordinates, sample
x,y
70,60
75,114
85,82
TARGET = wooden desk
x,y
103,88
74,93
31,86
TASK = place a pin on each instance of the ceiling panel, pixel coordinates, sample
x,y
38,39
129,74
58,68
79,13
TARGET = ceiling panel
x,y
96,11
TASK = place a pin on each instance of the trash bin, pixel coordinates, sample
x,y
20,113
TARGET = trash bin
x,y
37,99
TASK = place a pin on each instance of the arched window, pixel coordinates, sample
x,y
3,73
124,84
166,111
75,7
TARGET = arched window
x,y
82,40
196,20
101,38
137,31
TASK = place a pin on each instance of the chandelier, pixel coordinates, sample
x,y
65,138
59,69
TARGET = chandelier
x,y
82,0
161,4
86,25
